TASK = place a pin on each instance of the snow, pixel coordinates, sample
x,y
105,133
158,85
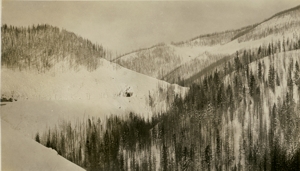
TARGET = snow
x,y
34,116
276,21
105,87
185,53
107,81
279,22
260,35
188,53
22,153
235,45
61,93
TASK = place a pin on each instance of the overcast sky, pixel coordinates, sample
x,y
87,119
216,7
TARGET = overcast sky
x,y
125,26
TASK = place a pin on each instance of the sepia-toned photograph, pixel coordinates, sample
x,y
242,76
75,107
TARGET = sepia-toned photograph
x,y
150,85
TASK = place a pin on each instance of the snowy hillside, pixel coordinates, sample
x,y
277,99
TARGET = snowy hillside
x,y
282,27
22,153
135,112
213,39
155,61
220,125
286,24
60,83
159,61
64,94
188,69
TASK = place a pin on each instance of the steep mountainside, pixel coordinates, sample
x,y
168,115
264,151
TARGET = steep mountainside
x,y
109,90
285,23
158,61
218,38
243,119
147,61
281,28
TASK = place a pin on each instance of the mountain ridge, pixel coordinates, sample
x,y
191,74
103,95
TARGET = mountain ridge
x,y
238,39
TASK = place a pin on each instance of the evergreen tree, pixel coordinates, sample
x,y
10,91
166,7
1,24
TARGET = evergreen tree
x,y
37,138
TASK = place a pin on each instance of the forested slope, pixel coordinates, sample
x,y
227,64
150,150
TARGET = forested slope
x,y
41,47
284,23
246,119
218,38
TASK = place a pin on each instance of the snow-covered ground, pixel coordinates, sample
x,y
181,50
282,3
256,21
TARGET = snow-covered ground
x,y
63,94
188,53
45,98
22,153
32,116
60,83
276,29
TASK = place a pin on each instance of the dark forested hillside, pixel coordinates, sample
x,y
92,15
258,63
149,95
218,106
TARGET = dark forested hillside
x,y
40,47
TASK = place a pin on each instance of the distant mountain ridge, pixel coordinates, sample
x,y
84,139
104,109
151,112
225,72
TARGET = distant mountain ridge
x,y
282,26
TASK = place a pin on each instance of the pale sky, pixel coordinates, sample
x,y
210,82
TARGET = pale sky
x,y
125,26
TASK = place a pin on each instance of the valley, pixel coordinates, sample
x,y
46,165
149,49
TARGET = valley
x,y
221,101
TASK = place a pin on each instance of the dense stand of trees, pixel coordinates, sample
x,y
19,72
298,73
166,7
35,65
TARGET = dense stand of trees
x,y
245,117
97,145
40,47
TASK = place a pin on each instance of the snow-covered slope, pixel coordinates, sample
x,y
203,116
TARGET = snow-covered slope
x,y
109,80
46,98
22,153
281,27
159,61
286,24
155,61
